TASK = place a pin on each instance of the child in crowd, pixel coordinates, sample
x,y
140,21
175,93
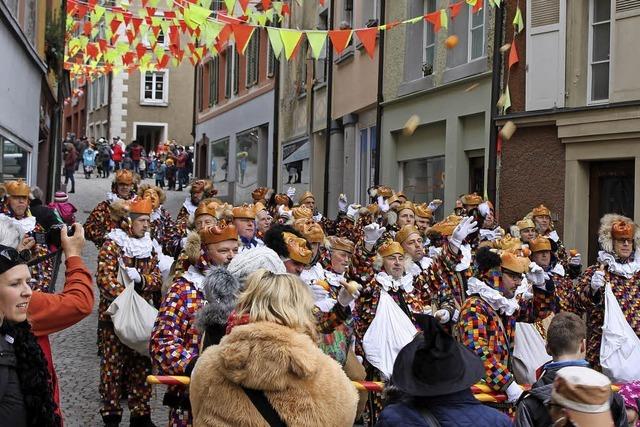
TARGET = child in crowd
x,y
65,209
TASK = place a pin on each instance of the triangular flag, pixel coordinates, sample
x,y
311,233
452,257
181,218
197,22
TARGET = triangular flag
x,y
455,9
277,6
244,4
317,40
368,38
413,20
242,34
340,39
266,4
136,25
471,2
290,40
141,50
86,28
478,7
505,100
444,19
518,24
114,25
98,12
195,16
162,62
513,54
231,5
276,41
434,18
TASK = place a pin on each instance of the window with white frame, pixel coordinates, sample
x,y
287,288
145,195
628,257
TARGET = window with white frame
x,y
366,162
599,49
476,34
253,59
370,13
104,91
429,37
155,88
228,75
214,76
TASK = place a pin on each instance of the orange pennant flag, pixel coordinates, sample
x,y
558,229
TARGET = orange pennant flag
x,y
368,38
340,39
244,4
479,5
242,34
513,55
434,18
141,50
455,9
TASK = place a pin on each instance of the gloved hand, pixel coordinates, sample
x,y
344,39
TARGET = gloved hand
x,y
575,260
382,204
317,217
283,212
535,276
291,192
372,233
342,203
597,280
513,392
133,274
352,210
345,298
442,316
434,205
319,293
467,226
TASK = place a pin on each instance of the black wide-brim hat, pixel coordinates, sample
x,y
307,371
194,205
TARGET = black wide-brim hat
x,y
434,364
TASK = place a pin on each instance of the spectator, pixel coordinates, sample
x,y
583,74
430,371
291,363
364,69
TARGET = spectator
x,y
135,151
118,153
271,356
89,161
70,159
45,215
431,381
104,157
65,209
161,171
171,174
181,166
142,167
127,163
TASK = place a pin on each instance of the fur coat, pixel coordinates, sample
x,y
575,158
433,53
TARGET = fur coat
x,y
305,386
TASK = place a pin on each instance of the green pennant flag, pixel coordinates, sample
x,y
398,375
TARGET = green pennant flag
x,y
170,4
277,6
165,28
231,6
70,22
94,32
206,4
195,16
505,100
276,41
262,19
269,15
414,20
290,39
518,23
444,18
108,17
210,31
122,47
98,12
159,52
497,2
317,40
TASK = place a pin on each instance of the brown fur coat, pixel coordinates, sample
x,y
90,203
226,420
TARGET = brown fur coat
x,y
306,387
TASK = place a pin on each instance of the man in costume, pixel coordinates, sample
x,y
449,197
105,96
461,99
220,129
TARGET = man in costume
x,y
244,219
200,189
128,255
263,220
541,216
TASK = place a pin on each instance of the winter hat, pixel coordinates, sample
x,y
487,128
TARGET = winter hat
x,y
245,263
60,197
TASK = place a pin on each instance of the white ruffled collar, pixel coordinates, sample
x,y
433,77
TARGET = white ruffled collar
x,y
156,214
490,235
113,197
415,268
553,235
493,297
133,248
389,283
190,207
558,269
465,262
26,224
194,276
334,279
626,270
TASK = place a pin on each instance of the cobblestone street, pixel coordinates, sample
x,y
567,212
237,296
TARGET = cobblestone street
x,y
74,349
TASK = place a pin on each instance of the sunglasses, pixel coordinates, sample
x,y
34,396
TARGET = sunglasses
x,y
625,241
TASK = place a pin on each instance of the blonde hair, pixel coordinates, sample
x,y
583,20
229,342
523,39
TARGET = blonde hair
x,y
278,298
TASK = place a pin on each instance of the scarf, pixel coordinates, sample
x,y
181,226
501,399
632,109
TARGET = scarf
x,y
388,283
624,269
497,301
190,207
235,320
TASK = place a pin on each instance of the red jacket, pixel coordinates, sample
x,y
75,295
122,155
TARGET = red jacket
x,y
117,153
135,151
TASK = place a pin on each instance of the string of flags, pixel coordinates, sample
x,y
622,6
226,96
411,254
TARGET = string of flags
x,y
112,39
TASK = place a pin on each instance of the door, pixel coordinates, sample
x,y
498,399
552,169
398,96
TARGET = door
x,y
611,190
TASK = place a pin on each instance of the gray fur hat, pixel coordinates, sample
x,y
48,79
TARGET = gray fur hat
x,y
605,237
221,291
245,263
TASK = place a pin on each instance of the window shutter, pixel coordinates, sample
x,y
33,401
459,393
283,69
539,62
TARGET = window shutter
x,y
545,53
627,5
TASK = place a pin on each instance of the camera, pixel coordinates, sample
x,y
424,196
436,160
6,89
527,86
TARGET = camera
x,y
52,236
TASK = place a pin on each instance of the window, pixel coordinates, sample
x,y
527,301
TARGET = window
x,y
429,53
423,181
236,71
15,160
599,49
347,15
155,89
102,91
476,34
201,76
366,163
214,75
271,61
370,13
228,78
253,56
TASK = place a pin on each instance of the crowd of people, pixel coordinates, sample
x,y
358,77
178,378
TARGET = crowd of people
x,y
273,311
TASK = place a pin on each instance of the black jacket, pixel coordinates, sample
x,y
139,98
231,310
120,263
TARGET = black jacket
x,y
11,399
532,411
45,216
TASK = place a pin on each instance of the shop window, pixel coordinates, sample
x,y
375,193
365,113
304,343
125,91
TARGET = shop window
x,y
219,165
246,163
423,181
15,161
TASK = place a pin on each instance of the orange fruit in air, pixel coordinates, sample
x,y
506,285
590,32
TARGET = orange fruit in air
x,y
451,41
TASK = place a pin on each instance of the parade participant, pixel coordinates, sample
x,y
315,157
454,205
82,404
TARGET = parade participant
x,y
313,234
162,226
489,229
618,264
542,255
566,343
27,394
263,220
308,200
16,208
261,195
406,215
244,218
290,246
200,189
489,315
99,221
271,357
541,216
424,219
426,393
128,247
277,200
527,230
471,202
175,341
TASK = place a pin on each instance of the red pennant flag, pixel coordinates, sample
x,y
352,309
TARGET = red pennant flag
x,y
223,35
479,5
244,4
92,50
321,2
192,61
197,32
136,25
285,9
130,36
162,64
368,38
82,10
242,33
151,11
144,3
103,45
266,4
92,4
339,39
513,54
86,28
114,25
156,31
169,14
434,18
227,19
455,9
141,50
108,68
392,25
127,19
183,26
127,58
71,5
174,35
179,55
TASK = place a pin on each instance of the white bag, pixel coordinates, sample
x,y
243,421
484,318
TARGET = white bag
x,y
620,347
132,316
529,348
389,332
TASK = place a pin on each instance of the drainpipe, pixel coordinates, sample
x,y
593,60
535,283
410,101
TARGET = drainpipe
x,y
380,98
495,95
327,147
194,117
276,123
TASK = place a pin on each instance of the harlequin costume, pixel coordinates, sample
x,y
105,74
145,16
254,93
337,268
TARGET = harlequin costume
x,y
162,228
200,189
99,221
247,212
122,368
560,251
623,275
175,341
42,272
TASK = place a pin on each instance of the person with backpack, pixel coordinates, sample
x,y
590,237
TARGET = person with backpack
x,y
66,210
104,157
160,171
89,161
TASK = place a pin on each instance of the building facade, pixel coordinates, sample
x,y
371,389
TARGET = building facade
x,y
576,103
75,111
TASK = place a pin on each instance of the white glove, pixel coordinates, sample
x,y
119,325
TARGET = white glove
x,y
467,226
319,293
345,298
434,205
352,210
597,280
382,204
133,274
342,203
285,213
535,276
513,392
575,260
372,233
442,316
291,192
317,217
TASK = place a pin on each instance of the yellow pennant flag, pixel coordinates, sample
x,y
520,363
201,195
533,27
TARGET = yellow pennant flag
x,y
159,51
231,6
413,20
262,20
443,18
290,39
277,6
276,41
518,23
195,16
317,39
97,13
